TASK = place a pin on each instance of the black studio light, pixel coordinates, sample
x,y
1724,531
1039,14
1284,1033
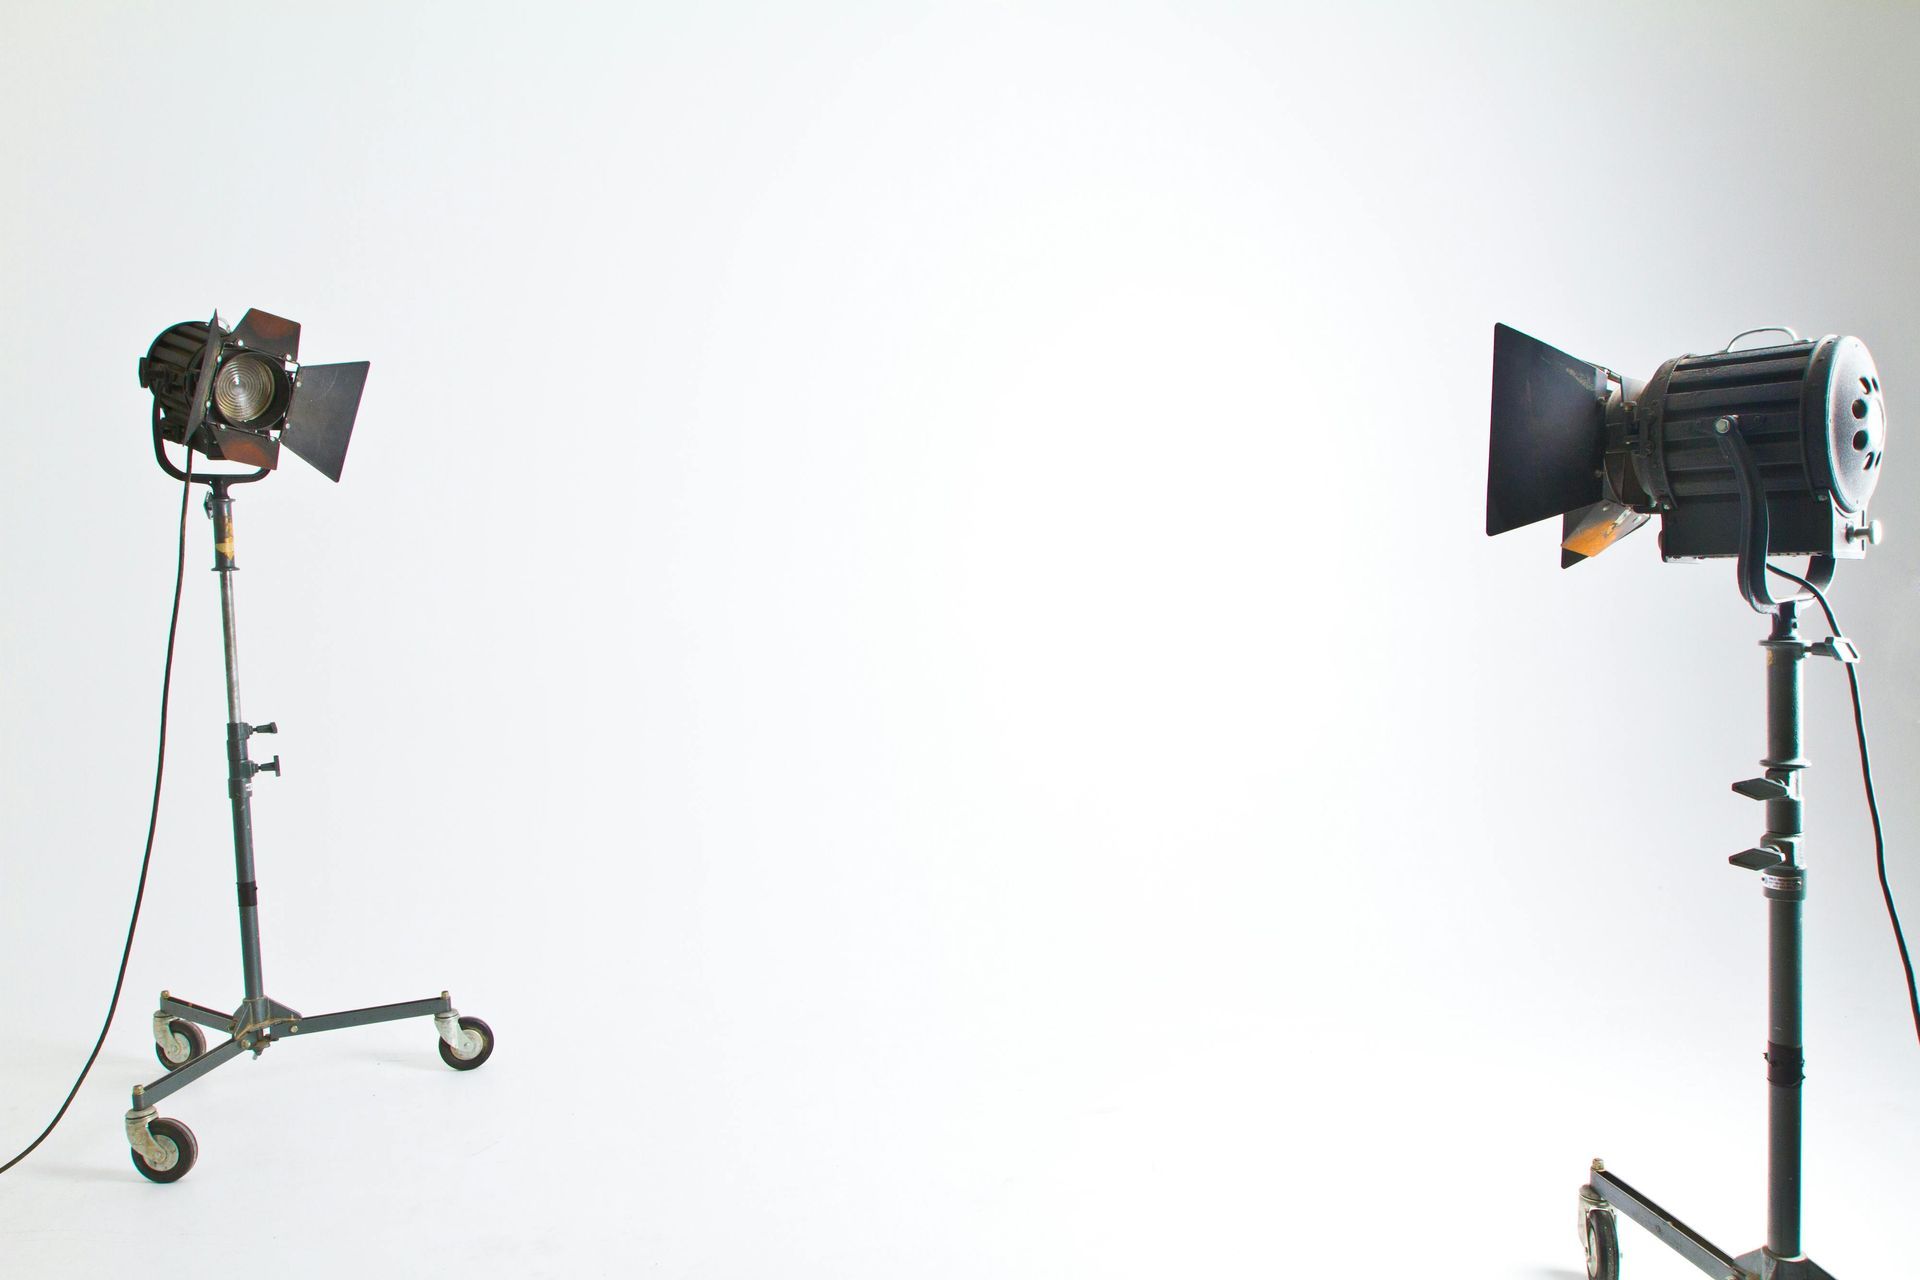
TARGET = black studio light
x,y
240,395
1752,453
1762,451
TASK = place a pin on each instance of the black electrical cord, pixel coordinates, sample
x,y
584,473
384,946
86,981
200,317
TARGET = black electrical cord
x,y
153,822
1873,806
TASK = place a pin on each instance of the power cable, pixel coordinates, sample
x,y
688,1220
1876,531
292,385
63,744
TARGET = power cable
x,y
153,821
1873,805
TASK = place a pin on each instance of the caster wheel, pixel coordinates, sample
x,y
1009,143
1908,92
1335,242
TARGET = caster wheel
x,y
1603,1246
196,1044
453,1059
177,1141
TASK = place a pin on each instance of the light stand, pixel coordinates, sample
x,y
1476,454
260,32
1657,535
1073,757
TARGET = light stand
x,y
1784,882
164,1149
1743,453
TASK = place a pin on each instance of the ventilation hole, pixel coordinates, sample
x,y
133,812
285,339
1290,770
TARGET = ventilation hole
x,y
1859,408
1872,459
1860,440
1866,384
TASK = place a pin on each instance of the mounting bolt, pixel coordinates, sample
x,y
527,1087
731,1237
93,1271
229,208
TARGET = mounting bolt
x,y
1722,425
1599,1166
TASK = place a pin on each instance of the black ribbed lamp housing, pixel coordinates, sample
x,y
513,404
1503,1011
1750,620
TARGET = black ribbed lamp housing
x,y
1814,416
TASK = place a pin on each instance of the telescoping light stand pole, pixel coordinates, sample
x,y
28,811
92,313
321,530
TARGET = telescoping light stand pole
x,y
164,1149
1784,882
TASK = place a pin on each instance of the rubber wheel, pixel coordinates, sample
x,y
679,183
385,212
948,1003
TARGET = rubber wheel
x,y
196,1044
458,1063
1603,1246
186,1150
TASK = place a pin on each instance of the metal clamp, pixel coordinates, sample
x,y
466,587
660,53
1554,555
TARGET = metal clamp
x,y
1839,648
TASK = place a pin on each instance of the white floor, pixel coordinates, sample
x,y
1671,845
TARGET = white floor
x,y
663,1135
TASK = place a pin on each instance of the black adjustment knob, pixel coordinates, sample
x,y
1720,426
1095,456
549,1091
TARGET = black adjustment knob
x,y
1762,789
268,727
1756,859
272,766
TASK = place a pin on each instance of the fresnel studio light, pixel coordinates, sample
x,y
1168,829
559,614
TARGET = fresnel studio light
x,y
1763,451
240,396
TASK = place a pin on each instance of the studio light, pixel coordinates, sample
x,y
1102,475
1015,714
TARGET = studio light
x,y
1763,451
239,395
1750,453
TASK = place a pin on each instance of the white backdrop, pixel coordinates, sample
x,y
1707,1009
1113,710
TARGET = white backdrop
x,y
908,619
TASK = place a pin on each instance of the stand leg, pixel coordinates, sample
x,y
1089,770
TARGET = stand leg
x,y
1611,1192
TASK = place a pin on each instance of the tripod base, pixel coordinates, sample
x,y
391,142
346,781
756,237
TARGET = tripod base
x,y
164,1149
1606,1193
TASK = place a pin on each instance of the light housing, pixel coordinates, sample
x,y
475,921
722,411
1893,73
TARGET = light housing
x,y
239,395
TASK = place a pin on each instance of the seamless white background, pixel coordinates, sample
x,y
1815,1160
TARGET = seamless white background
x,y
908,619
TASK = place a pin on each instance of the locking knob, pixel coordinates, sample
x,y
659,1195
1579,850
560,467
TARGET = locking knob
x,y
268,727
1868,533
272,766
